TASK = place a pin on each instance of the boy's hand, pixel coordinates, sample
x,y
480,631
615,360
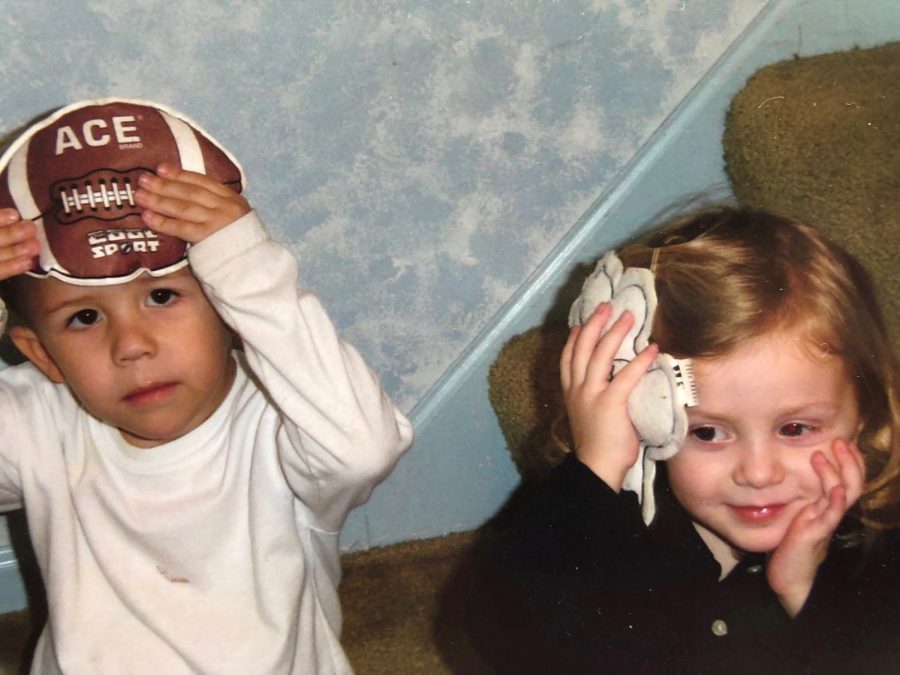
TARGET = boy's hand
x,y
605,439
187,205
792,567
18,243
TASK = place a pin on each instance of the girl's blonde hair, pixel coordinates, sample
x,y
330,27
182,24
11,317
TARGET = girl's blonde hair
x,y
725,275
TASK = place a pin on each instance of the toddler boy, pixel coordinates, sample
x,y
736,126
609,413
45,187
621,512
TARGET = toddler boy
x,y
184,497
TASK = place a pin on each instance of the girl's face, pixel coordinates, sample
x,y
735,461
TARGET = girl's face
x,y
744,471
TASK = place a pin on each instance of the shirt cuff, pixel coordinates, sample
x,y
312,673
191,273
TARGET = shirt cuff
x,y
223,245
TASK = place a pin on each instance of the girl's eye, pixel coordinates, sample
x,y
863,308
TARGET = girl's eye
x,y
159,297
708,434
795,429
83,318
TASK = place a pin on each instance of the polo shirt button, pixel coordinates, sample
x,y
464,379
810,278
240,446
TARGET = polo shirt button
x,y
754,569
719,628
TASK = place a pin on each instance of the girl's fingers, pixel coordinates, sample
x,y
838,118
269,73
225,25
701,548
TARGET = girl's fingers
x,y
835,509
826,471
816,522
585,342
600,359
587,358
565,359
847,456
847,470
851,467
841,486
626,379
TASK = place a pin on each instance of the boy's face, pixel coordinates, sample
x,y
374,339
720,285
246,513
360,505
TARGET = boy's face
x,y
150,356
744,471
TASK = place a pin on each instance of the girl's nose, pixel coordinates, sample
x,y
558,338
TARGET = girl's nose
x,y
132,339
759,465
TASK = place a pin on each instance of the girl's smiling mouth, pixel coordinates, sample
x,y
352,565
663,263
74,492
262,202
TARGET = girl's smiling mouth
x,y
759,514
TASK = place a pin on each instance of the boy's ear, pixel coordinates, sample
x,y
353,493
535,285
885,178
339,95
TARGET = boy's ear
x,y
27,342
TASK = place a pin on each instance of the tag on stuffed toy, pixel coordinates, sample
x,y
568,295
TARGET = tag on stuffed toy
x,y
75,172
656,405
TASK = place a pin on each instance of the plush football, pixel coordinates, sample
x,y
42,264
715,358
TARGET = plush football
x,y
75,173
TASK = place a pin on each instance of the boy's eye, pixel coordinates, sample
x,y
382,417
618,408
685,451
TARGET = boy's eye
x,y
708,434
83,318
794,429
159,297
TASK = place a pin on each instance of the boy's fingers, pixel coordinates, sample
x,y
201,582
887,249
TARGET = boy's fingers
x,y
17,232
174,173
19,252
183,207
18,244
9,216
15,266
188,231
157,193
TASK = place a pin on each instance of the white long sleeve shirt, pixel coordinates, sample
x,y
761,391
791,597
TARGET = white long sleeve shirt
x,y
216,552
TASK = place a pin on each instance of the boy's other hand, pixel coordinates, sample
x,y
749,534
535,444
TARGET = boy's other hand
x,y
187,205
18,243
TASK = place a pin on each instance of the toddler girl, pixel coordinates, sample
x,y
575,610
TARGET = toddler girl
x,y
773,547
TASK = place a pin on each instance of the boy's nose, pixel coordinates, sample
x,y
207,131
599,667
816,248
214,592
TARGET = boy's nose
x,y
759,465
132,340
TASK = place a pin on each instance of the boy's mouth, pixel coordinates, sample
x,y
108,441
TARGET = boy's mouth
x,y
151,393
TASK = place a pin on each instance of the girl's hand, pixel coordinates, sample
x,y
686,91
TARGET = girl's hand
x,y
18,244
187,205
605,439
792,566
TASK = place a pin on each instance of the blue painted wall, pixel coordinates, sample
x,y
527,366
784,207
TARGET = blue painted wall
x,y
459,471
437,166
457,430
